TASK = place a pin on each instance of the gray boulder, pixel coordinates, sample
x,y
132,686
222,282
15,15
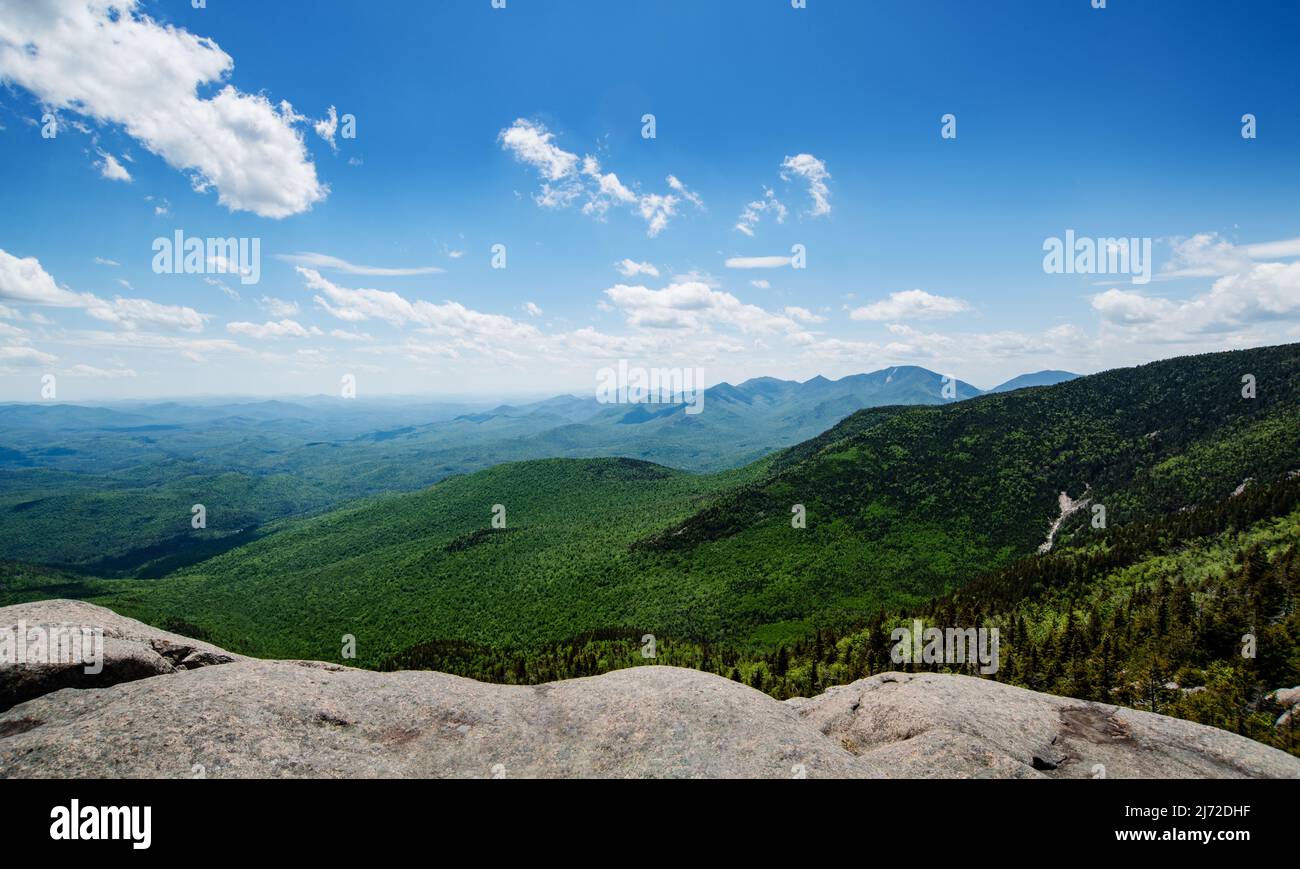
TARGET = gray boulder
x,y
279,719
131,650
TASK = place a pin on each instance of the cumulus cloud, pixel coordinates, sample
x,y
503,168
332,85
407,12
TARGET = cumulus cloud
x,y
1258,293
910,305
325,261
567,179
1209,255
111,169
694,306
803,315
25,281
532,309
1127,308
107,60
630,269
534,145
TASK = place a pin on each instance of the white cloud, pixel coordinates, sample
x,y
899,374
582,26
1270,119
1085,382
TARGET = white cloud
x,y
609,190
910,305
688,195
566,179
534,145
812,170
451,319
949,351
694,306
107,60
100,261
196,349
279,307
327,126
803,315
26,356
1258,293
1209,255
111,169
532,309
758,262
98,373
761,284
325,261
1284,249
755,210
25,281
630,269
263,331
134,313
1127,308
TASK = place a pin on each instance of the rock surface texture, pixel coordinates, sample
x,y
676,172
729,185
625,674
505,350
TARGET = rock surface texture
x,y
175,705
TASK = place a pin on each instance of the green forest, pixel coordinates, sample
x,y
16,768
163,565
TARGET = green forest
x,y
788,574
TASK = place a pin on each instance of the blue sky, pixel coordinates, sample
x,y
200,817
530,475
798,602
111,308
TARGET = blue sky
x,y
522,127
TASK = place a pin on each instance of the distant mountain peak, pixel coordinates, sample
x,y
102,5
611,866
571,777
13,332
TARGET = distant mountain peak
x,y
1048,377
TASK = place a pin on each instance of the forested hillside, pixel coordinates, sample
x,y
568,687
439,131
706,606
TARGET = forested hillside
x,y
902,504
1195,615
109,491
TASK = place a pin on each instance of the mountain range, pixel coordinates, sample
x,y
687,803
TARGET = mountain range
x,y
1156,487
109,489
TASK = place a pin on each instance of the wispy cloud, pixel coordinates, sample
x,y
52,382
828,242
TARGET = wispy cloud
x,y
325,261
567,179
757,262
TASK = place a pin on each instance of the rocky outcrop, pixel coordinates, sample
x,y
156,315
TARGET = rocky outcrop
x,y
249,718
128,650
1289,700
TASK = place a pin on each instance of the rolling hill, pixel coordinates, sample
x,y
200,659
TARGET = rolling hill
x,y
109,490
